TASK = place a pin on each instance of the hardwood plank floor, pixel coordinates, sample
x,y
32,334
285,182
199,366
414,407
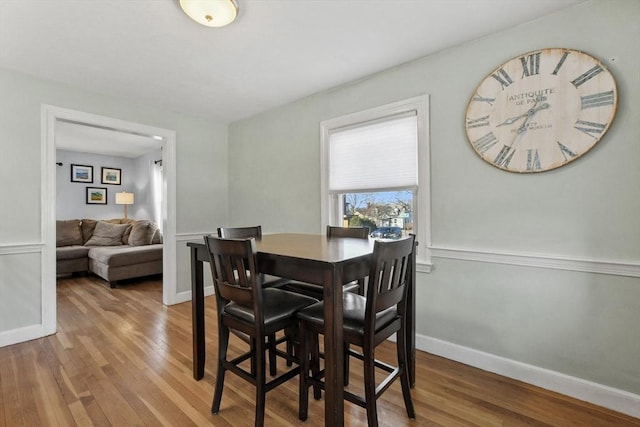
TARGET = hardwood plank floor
x,y
121,358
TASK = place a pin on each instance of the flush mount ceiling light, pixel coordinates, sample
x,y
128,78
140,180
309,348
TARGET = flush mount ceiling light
x,y
212,13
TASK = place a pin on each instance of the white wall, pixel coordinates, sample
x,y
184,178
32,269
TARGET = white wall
x,y
201,185
504,244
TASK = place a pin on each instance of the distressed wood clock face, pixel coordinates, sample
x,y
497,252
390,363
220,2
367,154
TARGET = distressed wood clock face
x,y
541,110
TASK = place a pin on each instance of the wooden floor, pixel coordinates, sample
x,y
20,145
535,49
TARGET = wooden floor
x,y
121,358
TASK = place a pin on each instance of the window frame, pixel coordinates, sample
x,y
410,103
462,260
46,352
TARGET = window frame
x,y
329,203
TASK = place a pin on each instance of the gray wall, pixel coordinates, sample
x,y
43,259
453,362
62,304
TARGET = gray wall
x,y
201,183
71,196
578,323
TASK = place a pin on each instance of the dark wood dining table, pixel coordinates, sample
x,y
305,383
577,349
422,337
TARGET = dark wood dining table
x,y
311,258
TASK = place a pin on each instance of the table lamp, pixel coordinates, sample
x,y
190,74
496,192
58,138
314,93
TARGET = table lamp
x,y
125,199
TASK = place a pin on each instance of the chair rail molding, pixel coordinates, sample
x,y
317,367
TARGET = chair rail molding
x,y
190,237
557,262
22,248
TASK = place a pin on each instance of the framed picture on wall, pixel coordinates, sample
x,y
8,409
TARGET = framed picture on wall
x,y
81,173
111,176
96,196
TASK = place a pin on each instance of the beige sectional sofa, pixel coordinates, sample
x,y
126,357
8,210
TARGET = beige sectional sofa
x,y
114,249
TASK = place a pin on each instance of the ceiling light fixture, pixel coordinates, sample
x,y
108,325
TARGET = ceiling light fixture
x,y
212,13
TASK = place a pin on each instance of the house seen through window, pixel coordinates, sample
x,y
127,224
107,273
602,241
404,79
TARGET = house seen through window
x,y
388,214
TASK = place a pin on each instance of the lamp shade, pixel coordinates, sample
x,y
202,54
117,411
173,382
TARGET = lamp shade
x,y
124,198
212,13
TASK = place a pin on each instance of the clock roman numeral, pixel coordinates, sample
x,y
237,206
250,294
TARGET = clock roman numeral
x,y
590,128
479,98
476,123
485,143
566,151
533,160
502,77
504,156
530,64
597,100
560,63
587,76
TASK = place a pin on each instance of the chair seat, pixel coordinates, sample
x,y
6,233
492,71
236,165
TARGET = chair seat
x,y
314,291
277,305
354,313
269,281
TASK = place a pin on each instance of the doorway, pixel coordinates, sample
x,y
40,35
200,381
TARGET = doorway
x,y
52,117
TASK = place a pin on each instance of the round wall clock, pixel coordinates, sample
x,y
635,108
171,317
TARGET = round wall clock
x,y
541,110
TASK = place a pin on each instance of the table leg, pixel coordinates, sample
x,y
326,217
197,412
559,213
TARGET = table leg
x,y
333,344
411,334
197,315
411,321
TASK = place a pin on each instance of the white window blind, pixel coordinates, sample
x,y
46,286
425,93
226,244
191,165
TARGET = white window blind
x,y
375,155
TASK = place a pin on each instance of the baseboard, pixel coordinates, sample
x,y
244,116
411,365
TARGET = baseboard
x,y
186,295
27,333
598,394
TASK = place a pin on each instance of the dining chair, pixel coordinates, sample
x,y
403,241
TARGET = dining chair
x,y
255,231
240,232
246,233
243,304
355,232
368,321
316,291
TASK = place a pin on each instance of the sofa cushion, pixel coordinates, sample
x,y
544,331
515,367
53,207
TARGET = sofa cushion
x,y
107,234
118,256
88,225
142,233
71,252
68,232
125,236
157,237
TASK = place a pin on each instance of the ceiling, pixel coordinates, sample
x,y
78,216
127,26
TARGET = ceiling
x,y
73,136
277,51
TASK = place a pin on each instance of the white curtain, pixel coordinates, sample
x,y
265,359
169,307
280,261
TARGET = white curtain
x,y
156,192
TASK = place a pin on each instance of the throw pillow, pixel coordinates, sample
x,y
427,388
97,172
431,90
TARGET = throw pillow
x,y
107,234
157,237
142,233
68,232
125,236
88,225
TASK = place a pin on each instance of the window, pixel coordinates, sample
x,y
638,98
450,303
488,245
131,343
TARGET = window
x,y
375,171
